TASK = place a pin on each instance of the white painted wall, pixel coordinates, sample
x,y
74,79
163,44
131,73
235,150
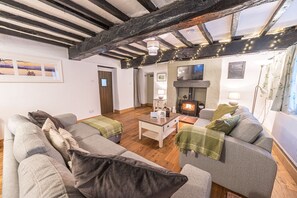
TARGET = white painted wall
x,y
78,93
123,91
212,72
156,68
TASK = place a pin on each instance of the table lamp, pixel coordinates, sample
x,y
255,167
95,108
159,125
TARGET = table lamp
x,y
161,93
234,97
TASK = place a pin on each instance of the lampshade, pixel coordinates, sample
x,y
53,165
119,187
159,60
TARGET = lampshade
x,y
234,96
153,47
161,91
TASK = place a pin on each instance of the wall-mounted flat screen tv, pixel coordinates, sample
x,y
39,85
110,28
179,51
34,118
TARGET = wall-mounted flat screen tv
x,y
190,72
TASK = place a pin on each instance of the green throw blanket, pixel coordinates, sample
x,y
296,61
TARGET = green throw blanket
x,y
200,140
106,126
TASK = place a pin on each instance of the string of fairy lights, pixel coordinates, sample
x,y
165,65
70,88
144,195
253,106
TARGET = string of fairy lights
x,y
247,48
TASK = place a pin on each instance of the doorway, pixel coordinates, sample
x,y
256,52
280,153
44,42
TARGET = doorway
x,y
105,90
150,89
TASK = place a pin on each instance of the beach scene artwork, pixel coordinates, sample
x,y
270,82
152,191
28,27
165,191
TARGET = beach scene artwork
x,y
20,69
6,67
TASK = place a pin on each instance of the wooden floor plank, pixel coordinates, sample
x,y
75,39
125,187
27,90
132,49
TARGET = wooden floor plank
x,y
284,186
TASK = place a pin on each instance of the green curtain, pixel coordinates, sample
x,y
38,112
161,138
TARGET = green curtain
x,y
285,99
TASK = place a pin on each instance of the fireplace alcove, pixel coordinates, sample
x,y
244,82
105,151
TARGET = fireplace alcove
x,y
191,96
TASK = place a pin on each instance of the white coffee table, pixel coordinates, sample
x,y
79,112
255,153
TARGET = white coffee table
x,y
158,129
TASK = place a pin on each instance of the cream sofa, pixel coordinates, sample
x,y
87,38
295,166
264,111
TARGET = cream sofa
x,y
246,168
25,145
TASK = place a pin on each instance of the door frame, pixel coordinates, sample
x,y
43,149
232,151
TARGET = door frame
x,y
113,74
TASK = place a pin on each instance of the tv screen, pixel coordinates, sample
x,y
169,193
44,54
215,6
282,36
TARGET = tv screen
x,y
190,72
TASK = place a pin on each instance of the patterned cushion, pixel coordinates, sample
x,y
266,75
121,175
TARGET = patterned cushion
x,y
224,124
39,117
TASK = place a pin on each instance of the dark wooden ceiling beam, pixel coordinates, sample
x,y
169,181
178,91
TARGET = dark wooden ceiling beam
x,y
234,24
205,33
182,39
119,55
63,6
165,43
135,49
126,52
282,7
166,19
109,56
38,13
142,43
148,5
37,24
30,37
269,42
110,9
36,33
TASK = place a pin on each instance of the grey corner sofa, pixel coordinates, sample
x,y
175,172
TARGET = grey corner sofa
x,y
246,168
33,168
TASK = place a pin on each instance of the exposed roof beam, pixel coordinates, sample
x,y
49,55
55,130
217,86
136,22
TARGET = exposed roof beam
x,y
205,33
165,43
34,38
265,43
37,24
148,5
281,8
38,13
142,43
127,52
234,24
166,19
181,37
109,56
135,49
119,55
36,33
110,9
63,6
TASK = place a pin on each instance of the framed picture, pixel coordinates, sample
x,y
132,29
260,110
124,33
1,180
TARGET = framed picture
x,y
236,70
161,77
19,68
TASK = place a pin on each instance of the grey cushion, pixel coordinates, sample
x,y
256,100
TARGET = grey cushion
x,y
42,176
264,140
117,176
100,145
67,119
39,117
30,140
247,130
81,131
241,109
198,185
15,121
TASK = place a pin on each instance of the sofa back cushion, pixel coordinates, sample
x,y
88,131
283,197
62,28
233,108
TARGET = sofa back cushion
x,y
15,121
42,176
30,140
247,130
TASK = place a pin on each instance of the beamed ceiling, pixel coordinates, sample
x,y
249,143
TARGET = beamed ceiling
x,y
185,29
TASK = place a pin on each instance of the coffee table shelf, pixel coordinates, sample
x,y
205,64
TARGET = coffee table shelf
x,y
158,129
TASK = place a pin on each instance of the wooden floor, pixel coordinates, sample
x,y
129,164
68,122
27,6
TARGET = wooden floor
x,y
284,186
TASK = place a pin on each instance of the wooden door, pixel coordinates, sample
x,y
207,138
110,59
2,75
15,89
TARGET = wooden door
x,y
150,89
105,90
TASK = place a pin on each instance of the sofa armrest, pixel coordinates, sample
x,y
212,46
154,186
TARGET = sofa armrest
x,y
10,181
67,119
206,114
198,184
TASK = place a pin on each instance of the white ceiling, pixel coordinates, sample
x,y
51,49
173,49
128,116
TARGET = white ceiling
x,y
251,21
